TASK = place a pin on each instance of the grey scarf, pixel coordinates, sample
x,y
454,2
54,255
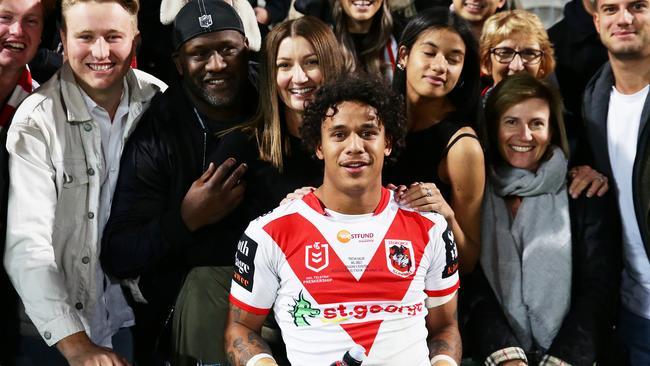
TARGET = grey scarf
x,y
528,260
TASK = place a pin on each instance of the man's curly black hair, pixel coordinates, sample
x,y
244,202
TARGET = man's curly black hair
x,y
363,89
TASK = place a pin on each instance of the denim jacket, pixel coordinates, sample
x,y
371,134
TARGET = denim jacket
x,y
55,165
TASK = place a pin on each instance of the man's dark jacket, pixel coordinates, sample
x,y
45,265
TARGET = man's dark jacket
x,y
596,107
579,54
145,236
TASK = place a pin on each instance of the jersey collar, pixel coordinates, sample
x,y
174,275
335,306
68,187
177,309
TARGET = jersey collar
x,y
317,205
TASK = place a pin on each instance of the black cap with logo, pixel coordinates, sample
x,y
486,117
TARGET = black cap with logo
x,y
204,16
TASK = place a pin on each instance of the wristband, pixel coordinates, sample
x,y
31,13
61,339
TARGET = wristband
x,y
437,358
258,357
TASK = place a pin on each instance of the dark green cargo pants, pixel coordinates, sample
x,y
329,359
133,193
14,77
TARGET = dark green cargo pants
x,y
200,317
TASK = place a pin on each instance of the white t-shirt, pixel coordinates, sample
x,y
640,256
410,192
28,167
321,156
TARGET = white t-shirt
x,y
334,280
623,121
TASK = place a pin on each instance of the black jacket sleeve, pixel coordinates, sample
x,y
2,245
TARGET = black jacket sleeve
x,y
596,236
488,328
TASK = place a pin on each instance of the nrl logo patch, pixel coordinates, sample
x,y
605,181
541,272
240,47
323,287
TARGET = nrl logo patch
x,y
399,257
205,21
317,256
301,309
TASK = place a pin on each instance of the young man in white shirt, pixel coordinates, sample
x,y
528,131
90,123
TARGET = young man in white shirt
x,y
617,111
64,145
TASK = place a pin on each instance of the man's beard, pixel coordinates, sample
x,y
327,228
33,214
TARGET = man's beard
x,y
628,52
215,100
219,101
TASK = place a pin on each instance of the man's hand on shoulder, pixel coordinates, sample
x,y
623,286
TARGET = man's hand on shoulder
x,y
214,195
585,176
79,350
298,194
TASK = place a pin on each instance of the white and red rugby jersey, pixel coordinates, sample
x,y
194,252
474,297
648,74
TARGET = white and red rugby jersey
x,y
334,280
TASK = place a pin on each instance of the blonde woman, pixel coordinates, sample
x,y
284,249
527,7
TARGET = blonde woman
x,y
515,41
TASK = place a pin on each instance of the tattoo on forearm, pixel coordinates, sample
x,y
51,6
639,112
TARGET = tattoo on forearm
x,y
236,313
242,342
242,349
450,345
256,340
438,346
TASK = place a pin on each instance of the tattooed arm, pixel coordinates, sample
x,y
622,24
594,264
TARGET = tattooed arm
x,y
444,338
243,339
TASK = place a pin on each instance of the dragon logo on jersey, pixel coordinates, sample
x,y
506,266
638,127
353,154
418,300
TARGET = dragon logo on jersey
x,y
451,254
399,257
317,256
301,310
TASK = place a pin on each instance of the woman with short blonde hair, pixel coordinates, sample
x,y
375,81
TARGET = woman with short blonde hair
x,y
515,41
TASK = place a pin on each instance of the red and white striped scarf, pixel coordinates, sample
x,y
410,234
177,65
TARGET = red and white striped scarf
x,y
24,87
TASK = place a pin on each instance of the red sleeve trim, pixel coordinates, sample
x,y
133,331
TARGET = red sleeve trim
x,y
250,309
445,292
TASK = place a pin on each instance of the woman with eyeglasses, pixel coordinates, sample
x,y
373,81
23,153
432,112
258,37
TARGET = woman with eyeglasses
x,y
513,42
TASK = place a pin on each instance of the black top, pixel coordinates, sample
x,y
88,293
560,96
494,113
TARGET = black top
x,y
579,54
424,151
272,186
358,39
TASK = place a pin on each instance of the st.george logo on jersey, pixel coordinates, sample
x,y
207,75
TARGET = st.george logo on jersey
x,y
317,256
399,257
